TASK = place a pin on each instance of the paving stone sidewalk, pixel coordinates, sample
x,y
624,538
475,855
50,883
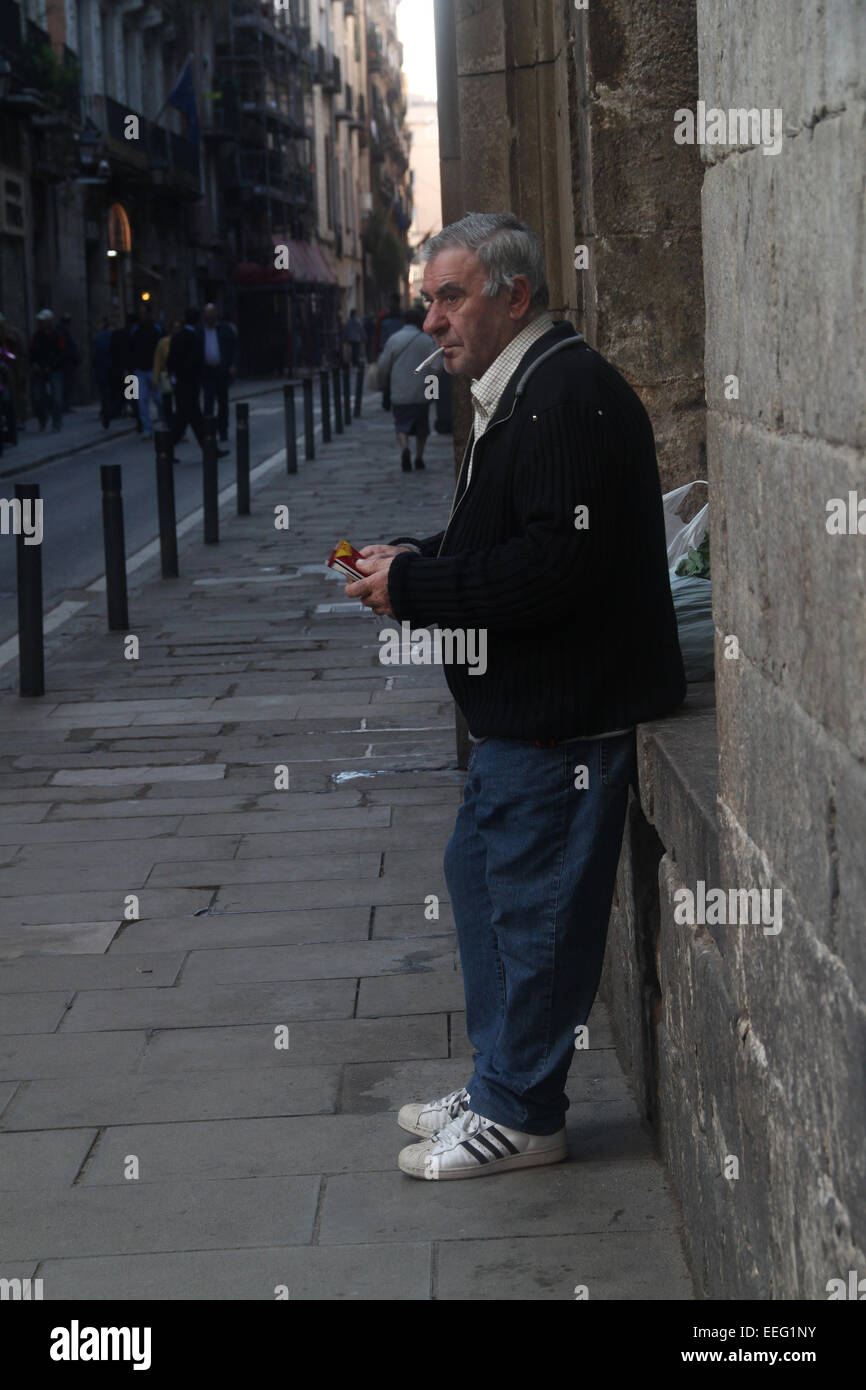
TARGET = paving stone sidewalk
x,y
158,1139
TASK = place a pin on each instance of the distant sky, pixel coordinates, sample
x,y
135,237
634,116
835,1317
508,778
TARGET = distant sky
x,y
416,33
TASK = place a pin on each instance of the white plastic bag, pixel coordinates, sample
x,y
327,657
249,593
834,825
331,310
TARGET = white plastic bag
x,y
680,536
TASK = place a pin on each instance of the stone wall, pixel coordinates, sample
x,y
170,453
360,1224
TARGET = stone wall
x,y
785,274
748,1046
637,211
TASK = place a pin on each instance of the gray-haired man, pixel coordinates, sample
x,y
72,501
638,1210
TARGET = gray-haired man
x,y
556,548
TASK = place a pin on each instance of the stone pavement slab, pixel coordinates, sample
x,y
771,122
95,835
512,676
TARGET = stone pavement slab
x,y
361,1272
285,985
45,1223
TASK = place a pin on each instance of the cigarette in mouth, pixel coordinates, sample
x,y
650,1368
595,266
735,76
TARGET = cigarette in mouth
x,y
428,359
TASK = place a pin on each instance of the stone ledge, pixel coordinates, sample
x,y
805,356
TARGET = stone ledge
x,y
678,762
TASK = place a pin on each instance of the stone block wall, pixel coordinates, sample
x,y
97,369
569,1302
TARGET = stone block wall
x,y
637,210
785,277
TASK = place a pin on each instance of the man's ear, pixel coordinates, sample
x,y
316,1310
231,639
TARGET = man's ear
x,y
519,297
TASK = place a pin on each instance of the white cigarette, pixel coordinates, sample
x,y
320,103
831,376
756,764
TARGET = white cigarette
x,y
428,359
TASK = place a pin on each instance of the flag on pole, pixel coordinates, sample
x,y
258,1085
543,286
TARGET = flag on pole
x,y
182,96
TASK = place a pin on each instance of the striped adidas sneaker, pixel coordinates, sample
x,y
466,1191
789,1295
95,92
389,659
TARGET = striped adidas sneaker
x,y
427,1120
470,1146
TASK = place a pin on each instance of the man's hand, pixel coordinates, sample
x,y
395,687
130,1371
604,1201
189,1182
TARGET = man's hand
x,y
373,591
382,551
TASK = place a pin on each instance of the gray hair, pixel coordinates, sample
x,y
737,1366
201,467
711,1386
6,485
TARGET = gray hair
x,y
505,247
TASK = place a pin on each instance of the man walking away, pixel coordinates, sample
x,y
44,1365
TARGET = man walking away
x,y
220,348
185,365
143,339
404,351
47,356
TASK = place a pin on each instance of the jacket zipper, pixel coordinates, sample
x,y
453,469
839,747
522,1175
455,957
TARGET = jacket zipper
x,y
457,500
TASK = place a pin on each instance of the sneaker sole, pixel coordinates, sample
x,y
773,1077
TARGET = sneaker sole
x,y
501,1165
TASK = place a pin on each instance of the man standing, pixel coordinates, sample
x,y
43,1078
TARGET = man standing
x,y
47,360
220,348
555,549
143,338
185,364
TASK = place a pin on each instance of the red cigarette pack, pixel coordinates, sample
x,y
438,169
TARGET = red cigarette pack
x,y
344,557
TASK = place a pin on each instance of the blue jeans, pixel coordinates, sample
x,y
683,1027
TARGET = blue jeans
x,y
530,867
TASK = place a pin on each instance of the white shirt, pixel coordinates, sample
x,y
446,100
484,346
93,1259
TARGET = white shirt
x,y
487,391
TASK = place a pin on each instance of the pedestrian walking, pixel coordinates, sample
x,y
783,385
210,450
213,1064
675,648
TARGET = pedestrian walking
x,y
405,390
219,341
161,381
185,365
47,358
559,475
353,334
144,335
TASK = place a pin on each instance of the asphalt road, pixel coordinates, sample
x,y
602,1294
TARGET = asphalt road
x,y
72,545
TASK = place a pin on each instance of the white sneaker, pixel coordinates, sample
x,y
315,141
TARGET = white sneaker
x,y
427,1120
471,1145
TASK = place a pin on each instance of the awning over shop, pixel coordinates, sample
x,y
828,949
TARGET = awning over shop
x,y
307,266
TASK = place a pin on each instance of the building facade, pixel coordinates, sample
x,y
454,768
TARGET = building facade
x,y
167,153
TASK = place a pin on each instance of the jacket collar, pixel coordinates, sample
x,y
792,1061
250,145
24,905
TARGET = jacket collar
x,y
558,333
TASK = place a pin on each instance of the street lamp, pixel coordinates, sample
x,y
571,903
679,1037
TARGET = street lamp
x,y
89,141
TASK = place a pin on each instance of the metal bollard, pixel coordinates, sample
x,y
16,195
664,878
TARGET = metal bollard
x,y
347,394
31,657
115,550
165,503
359,391
242,447
338,400
325,385
291,441
309,434
210,482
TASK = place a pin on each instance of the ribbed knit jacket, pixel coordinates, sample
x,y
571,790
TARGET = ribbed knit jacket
x,y
581,629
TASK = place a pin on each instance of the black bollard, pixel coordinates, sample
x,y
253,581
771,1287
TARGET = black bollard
x,y
115,550
31,658
210,482
359,391
309,435
325,384
338,400
347,394
242,446
165,504
291,441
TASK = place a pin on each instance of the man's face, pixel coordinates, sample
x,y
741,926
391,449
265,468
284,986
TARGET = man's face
x,y
472,328
210,315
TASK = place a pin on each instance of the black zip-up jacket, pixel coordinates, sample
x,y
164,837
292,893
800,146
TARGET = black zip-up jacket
x,y
581,630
